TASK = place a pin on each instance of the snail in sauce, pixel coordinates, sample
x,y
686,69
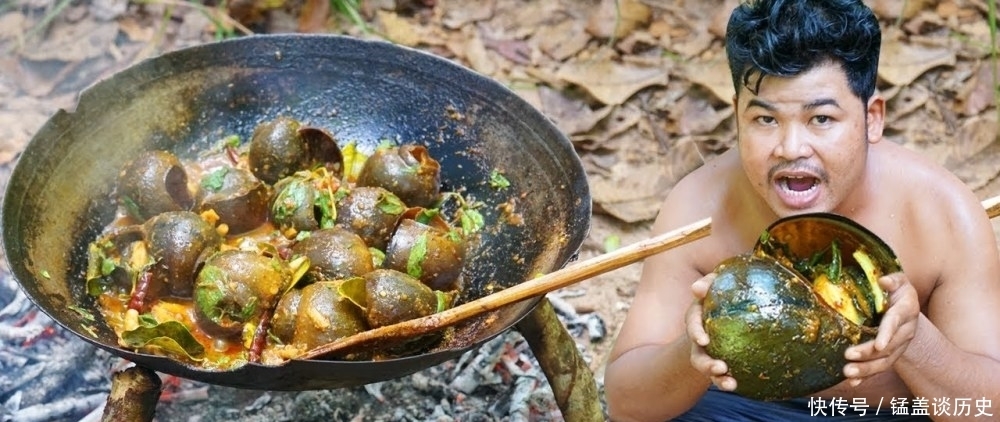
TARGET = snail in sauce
x,y
260,251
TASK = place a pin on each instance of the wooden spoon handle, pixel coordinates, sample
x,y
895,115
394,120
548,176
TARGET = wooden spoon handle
x,y
531,288
992,206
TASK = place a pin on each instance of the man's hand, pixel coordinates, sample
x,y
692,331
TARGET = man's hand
x,y
894,332
714,369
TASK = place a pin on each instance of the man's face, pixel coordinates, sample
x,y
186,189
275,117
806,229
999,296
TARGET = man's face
x,y
803,140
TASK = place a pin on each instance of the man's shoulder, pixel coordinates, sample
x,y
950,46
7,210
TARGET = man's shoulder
x,y
926,184
713,175
926,209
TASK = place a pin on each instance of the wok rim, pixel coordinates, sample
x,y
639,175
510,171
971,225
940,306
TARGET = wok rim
x,y
581,214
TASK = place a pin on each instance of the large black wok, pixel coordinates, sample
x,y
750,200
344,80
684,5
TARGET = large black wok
x,y
58,197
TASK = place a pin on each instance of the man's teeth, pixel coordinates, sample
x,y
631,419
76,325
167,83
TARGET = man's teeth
x,y
797,184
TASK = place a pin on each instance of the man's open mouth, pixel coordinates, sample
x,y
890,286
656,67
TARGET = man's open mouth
x,y
798,184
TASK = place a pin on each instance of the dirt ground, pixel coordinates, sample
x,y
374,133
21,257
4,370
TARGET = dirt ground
x,y
641,90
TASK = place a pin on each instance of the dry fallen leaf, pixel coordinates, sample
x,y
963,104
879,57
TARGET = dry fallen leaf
x,y
901,63
458,13
893,9
979,169
697,115
397,29
13,25
562,40
571,115
909,98
20,119
605,135
611,82
521,19
693,45
631,192
720,18
973,137
477,56
712,74
632,186
106,10
135,30
313,17
618,18
72,43
981,94
516,51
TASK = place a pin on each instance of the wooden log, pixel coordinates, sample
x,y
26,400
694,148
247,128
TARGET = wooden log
x,y
134,394
569,376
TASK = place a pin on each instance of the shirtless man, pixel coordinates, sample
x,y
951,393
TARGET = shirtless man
x,y
810,140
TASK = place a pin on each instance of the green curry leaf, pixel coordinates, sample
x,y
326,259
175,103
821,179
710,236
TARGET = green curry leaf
x,y
215,180
390,204
232,141
327,210
171,336
833,271
100,266
293,196
131,207
208,294
378,257
418,253
443,300
354,161
498,181
426,215
354,290
471,220
82,312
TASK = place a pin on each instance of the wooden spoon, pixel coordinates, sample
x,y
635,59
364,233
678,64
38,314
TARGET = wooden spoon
x,y
397,333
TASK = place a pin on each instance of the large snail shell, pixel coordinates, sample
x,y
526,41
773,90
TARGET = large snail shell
x,y
779,337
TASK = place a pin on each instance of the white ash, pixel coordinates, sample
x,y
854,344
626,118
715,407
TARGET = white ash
x,y
49,374
577,324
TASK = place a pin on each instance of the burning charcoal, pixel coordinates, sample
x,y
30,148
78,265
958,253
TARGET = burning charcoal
x,y
18,305
520,410
59,409
26,332
596,327
575,323
479,370
12,360
375,389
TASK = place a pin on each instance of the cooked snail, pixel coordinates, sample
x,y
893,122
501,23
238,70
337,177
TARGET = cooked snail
x,y
214,278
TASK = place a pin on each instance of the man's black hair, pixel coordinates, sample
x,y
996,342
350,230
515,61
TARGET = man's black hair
x,y
788,37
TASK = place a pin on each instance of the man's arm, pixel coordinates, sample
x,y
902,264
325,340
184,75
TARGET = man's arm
x,y
955,350
649,374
